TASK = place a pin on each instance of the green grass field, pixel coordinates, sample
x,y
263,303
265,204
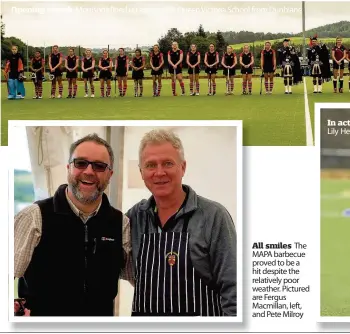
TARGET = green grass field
x,y
276,119
335,248
294,40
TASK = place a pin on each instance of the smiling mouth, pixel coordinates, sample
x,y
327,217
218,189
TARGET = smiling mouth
x,y
87,183
161,183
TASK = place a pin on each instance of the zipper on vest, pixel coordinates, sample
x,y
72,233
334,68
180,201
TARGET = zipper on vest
x,y
86,250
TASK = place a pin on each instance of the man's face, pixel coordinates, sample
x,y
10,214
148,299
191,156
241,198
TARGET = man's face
x,y
314,43
285,44
55,49
86,184
14,50
37,54
162,169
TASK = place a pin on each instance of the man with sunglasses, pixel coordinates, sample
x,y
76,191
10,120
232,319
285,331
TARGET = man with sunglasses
x,y
74,246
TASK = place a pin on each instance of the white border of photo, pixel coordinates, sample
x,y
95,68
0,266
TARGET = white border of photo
x,y
238,223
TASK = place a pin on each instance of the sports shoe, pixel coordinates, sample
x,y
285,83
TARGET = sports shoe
x,y
86,95
69,96
35,97
59,96
92,95
197,94
40,97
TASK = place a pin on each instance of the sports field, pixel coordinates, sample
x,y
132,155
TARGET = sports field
x,y
276,119
335,247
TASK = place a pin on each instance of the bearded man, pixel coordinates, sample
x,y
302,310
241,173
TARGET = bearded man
x,y
73,247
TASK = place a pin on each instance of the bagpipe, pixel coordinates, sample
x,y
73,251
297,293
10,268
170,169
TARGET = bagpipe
x,y
321,65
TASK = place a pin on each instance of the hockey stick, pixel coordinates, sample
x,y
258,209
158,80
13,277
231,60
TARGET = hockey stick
x,y
209,83
194,81
228,82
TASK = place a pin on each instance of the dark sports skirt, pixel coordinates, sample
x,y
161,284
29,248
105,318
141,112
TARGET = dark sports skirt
x,y
106,75
232,72
137,75
72,75
248,70
159,72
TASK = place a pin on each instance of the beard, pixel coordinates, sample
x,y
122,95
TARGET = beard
x,y
82,197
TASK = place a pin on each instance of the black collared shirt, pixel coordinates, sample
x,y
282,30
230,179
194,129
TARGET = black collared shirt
x,y
171,222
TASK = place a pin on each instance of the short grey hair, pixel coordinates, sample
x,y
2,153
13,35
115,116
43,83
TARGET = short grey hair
x,y
160,136
93,138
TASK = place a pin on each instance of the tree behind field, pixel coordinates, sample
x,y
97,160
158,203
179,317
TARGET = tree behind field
x,y
220,42
201,32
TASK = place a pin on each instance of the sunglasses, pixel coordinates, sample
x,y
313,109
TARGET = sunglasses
x,y
96,166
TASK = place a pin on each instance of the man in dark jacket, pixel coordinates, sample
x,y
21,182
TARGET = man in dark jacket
x,y
72,247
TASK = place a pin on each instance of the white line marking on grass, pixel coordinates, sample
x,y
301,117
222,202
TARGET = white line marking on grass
x,y
308,127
